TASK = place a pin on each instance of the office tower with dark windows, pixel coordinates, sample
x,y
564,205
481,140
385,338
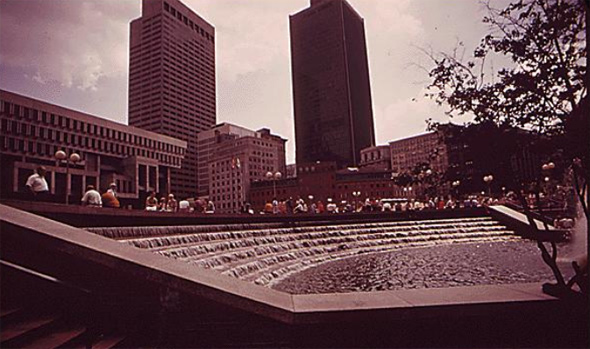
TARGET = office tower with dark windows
x,y
172,80
331,88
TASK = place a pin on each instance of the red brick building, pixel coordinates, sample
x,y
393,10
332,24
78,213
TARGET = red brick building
x,y
323,181
237,161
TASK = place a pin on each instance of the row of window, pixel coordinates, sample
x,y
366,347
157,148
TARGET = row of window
x,y
34,132
62,122
187,21
39,147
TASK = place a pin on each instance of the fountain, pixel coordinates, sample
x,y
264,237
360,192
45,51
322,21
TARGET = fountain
x,y
266,254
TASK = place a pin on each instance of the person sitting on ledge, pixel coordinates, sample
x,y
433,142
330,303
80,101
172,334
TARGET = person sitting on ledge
x,y
162,204
151,202
184,206
91,197
268,208
113,189
210,207
172,204
109,200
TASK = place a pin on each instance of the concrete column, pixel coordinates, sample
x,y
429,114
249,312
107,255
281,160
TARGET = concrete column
x,y
168,180
157,186
15,182
69,183
147,178
52,182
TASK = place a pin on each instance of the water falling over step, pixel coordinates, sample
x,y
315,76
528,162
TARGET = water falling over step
x,y
267,253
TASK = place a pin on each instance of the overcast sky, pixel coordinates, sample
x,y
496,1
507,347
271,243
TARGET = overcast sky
x,y
75,53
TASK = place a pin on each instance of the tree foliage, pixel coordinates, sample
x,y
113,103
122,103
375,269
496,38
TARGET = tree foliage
x,y
543,90
545,42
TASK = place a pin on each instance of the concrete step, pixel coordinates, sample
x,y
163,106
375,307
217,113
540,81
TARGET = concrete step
x,y
56,338
26,326
265,254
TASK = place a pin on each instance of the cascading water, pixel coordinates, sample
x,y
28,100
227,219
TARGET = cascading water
x,y
577,247
268,253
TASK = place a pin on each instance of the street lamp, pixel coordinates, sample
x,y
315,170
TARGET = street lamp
x,y
548,166
356,195
274,177
407,191
488,179
456,185
61,155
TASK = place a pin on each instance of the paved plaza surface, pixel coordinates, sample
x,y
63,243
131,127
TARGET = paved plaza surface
x,y
489,263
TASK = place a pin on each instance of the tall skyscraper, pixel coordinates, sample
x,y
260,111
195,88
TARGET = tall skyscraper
x,y
331,89
172,79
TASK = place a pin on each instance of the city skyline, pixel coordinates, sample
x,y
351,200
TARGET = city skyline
x,y
65,60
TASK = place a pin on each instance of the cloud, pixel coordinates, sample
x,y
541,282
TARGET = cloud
x,y
75,43
408,116
75,53
250,35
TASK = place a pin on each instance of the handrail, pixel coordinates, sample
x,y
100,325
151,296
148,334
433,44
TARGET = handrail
x,y
535,214
46,277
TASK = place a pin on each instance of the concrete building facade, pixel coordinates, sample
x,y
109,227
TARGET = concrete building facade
x,y
331,87
172,79
32,131
377,158
425,148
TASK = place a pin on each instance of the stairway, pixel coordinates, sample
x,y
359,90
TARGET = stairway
x,y
267,253
35,328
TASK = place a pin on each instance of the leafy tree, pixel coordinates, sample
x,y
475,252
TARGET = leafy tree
x,y
542,90
545,41
429,182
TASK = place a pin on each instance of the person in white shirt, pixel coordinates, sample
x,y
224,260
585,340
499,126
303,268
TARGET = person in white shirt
x,y
184,206
210,207
91,197
37,183
113,189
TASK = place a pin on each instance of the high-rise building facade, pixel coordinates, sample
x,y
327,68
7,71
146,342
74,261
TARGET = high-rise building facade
x,y
172,79
331,88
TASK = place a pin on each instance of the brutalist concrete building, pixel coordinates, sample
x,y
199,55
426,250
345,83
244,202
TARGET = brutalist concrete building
x,y
32,131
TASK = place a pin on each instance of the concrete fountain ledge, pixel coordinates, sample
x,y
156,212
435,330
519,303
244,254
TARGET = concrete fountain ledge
x,y
287,308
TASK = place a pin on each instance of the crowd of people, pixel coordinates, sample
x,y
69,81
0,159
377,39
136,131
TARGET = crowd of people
x,y
168,203
39,189
299,206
